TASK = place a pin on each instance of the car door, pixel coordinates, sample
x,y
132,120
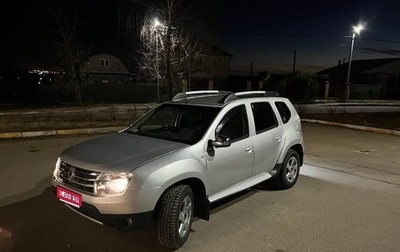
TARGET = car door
x,y
230,165
269,139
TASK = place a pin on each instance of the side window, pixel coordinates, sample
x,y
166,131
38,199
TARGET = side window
x,y
234,124
264,116
284,111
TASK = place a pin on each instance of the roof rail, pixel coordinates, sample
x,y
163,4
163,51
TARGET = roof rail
x,y
234,96
227,95
250,93
199,93
238,95
257,94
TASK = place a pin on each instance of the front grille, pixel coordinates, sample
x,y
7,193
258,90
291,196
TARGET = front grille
x,y
78,177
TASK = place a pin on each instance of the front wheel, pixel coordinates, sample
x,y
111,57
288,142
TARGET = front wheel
x,y
290,170
175,216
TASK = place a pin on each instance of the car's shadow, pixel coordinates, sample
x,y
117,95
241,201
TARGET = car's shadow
x,y
44,224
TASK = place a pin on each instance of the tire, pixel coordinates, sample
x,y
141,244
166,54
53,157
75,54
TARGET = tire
x,y
290,170
175,216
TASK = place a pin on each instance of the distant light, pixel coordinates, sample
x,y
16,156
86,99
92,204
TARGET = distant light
x,y
42,72
357,29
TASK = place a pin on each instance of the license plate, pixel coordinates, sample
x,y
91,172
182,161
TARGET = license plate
x,y
69,197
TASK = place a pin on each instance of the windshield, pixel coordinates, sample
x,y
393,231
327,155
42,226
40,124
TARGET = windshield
x,y
182,123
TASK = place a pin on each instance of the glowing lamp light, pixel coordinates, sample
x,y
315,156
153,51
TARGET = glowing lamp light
x,y
357,29
156,22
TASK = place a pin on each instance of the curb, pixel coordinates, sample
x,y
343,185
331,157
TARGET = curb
x,y
357,127
86,131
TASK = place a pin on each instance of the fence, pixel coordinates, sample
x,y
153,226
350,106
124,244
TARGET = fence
x,y
58,94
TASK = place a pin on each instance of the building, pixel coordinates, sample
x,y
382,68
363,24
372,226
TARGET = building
x,y
369,79
106,68
212,70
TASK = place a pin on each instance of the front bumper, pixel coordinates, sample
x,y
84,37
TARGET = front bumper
x,y
130,211
122,222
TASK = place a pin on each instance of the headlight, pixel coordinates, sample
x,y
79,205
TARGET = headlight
x,y
109,183
56,173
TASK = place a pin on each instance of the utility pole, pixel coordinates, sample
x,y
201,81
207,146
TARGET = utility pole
x,y
251,70
250,82
347,83
294,62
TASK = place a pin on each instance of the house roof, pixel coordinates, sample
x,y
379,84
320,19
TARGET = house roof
x,y
201,73
116,66
385,65
214,50
218,51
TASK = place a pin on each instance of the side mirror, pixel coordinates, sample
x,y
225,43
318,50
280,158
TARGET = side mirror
x,y
220,141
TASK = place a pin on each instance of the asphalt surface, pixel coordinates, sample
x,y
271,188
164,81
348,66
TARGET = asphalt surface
x,y
346,199
345,204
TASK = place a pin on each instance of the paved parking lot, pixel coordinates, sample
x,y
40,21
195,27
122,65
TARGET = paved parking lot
x,y
347,199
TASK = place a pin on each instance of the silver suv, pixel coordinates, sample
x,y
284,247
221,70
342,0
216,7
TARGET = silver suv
x,y
180,157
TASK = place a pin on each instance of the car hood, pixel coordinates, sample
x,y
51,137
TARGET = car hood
x,y
120,152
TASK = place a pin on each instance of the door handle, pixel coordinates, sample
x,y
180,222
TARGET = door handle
x,y
278,138
249,149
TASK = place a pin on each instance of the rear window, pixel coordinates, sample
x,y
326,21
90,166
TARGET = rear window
x,y
264,116
284,111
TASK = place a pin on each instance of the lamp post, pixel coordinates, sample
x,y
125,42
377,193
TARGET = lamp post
x,y
356,31
156,25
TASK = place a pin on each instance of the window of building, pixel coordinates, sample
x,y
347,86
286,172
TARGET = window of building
x,y
104,62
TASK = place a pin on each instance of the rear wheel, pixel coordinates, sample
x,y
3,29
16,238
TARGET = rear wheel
x,y
289,172
175,216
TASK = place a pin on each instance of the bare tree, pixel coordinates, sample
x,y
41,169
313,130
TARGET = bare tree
x,y
71,52
188,50
172,47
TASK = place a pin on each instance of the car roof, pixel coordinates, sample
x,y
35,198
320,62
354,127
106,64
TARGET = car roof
x,y
217,98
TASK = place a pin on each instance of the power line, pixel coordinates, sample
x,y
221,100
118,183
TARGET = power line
x,y
277,35
303,36
384,40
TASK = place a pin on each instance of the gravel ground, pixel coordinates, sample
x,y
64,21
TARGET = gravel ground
x,y
97,117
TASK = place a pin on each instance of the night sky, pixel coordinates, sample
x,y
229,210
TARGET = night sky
x,y
268,32
28,31
265,33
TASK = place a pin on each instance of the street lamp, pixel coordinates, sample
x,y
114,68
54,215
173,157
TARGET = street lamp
x,y
356,31
156,24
